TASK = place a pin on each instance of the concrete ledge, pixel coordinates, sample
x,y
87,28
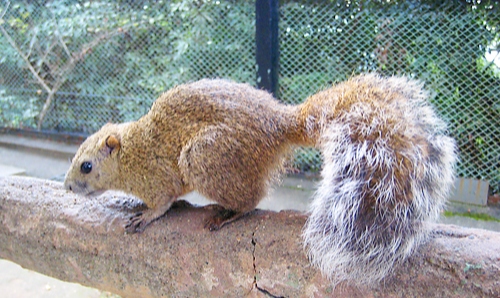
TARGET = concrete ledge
x,y
40,146
6,170
59,136
471,191
46,229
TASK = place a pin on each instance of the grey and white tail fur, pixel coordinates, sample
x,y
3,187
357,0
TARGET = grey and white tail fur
x,y
388,168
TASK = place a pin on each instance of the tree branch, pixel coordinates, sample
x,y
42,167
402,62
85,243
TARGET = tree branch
x,y
25,58
59,36
78,239
5,10
62,76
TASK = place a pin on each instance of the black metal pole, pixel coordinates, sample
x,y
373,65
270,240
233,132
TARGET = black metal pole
x,y
267,54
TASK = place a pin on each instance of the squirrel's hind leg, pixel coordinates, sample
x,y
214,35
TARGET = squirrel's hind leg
x,y
220,163
222,217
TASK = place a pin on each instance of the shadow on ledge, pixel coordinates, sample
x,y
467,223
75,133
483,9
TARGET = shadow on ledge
x,y
78,239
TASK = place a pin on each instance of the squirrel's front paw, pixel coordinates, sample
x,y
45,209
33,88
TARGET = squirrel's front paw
x,y
139,221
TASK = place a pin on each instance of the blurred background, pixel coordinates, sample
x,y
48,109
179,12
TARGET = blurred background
x,y
69,66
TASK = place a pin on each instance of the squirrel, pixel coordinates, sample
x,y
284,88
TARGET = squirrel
x,y
388,165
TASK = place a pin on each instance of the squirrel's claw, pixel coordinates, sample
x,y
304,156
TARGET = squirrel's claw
x,y
139,221
222,217
136,224
211,225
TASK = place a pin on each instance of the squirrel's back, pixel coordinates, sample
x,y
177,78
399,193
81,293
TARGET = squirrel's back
x,y
186,109
388,167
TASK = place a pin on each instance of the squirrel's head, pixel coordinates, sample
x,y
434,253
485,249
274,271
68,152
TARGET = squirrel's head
x,y
94,169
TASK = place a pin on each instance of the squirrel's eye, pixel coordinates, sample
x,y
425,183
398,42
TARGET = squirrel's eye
x,y
86,167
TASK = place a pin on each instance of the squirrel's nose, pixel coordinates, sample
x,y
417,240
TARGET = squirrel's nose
x,y
68,186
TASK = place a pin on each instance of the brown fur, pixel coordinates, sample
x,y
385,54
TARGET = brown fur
x,y
388,165
222,139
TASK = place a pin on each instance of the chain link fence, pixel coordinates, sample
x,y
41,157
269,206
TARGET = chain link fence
x,y
72,66
106,61
449,45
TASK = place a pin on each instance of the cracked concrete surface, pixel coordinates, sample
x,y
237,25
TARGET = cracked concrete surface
x,y
44,228
257,281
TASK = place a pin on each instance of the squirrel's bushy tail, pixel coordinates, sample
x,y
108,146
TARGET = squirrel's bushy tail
x,y
388,168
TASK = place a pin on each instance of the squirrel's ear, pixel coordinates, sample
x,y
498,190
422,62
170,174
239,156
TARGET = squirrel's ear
x,y
112,143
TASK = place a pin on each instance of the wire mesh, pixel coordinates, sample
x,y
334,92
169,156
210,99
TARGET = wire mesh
x,y
449,45
106,61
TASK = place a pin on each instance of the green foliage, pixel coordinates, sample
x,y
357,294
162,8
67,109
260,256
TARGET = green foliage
x,y
442,43
161,44
298,85
154,45
17,113
476,216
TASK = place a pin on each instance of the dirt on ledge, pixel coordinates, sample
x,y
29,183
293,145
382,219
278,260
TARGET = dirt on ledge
x,y
78,239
